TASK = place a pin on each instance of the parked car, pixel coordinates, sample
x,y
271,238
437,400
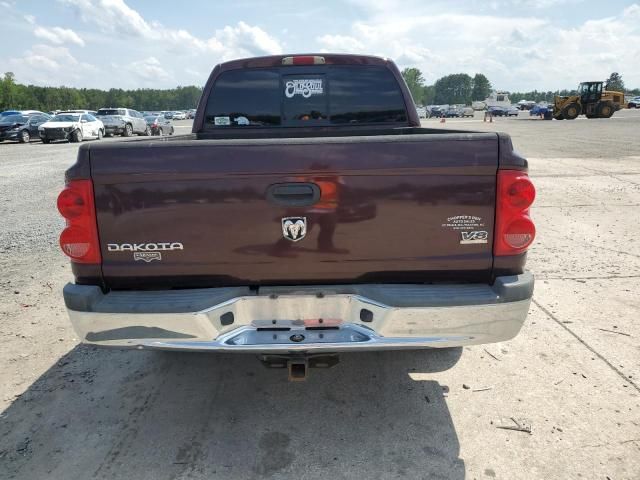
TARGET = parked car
x,y
168,115
123,121
423,112
230,240
74,127
468,112
90,112
634,102
10,112
21,112
453,112
159,125
179,116
526,104
497,111
512,111
22,128
540,109
438,110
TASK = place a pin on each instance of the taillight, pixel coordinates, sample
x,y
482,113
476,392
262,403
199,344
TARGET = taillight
x,y
79,240
303,60
514,230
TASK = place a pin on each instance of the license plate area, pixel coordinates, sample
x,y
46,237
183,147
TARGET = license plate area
x,y
297,336
307,323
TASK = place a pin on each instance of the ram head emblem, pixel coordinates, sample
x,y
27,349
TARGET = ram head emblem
x,y
294,228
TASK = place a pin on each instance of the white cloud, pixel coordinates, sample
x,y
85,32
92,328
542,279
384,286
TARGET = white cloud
x,y
195,73
142,63
518,44
516,52
115,16
340,44
51,65
535,4
51,58
149,70
244,40
58,35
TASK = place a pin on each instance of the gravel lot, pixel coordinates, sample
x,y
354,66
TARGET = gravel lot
x,y
573,373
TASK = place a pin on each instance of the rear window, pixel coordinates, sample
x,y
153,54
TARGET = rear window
x,y
112,111
305,96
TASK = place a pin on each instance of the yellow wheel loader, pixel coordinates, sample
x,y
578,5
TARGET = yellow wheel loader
x,y
591,100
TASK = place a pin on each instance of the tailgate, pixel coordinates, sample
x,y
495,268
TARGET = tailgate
x,y
405,208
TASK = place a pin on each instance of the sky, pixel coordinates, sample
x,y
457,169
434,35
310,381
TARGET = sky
x,y
520,45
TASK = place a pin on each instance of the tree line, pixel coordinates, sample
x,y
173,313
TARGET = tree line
x,y
460,88
31,97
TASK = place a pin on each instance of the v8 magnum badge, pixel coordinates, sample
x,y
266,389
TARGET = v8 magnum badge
x,y
476,236
294,228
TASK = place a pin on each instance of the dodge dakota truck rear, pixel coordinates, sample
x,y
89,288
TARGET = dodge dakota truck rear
x,y
308,213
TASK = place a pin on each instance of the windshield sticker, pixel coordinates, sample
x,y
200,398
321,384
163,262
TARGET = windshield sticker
x,y
222,121
304,86
241,121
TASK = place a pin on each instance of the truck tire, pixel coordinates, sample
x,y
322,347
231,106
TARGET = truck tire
x,y
605,110
46,141
571,111
76,137
24,136
128,131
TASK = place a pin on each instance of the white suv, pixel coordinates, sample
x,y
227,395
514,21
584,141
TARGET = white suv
x,y
123,121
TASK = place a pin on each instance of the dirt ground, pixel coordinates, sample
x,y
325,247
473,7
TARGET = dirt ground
x,y
572,374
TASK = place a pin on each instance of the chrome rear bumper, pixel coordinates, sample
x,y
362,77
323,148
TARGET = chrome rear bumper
x,y
313,319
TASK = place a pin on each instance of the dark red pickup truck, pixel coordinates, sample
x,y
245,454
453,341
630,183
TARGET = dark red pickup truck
x,y
308,212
